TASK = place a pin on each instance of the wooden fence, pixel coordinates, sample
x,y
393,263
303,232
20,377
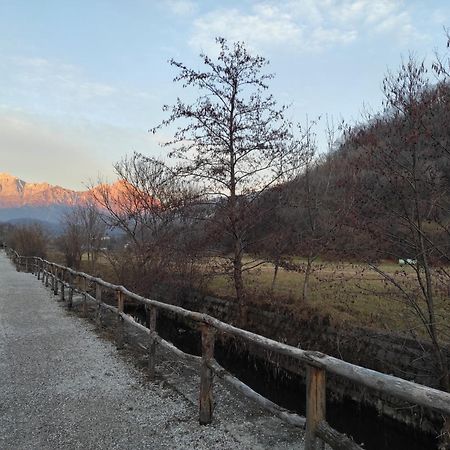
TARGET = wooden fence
x,y
318,364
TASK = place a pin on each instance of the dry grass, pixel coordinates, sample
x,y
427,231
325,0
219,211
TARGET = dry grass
x,y
347,292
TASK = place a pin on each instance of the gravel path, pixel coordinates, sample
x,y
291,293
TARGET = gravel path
x,y
63,387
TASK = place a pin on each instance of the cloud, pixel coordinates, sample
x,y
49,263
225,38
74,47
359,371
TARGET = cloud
x,y
66,78
376,17
181,7
43,86
265,26
304,25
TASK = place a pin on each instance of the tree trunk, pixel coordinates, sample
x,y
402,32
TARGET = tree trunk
x,y
239,282
274,279
440,357
305,294
427,290
239,285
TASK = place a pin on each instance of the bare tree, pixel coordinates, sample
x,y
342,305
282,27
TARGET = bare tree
x,y
29,240
273,243
317,209
148,204
235,143
94,230
5,231
70,241
309,214
401,187
83,230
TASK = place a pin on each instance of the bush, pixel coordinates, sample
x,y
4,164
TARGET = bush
x,y
29,240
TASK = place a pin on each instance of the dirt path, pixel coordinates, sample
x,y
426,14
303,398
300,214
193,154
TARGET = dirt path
x,y
63,387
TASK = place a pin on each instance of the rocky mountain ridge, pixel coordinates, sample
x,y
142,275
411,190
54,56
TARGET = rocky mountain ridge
x,y
20,200
17,193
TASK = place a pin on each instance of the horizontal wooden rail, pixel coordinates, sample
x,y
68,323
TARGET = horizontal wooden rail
x,y
318,364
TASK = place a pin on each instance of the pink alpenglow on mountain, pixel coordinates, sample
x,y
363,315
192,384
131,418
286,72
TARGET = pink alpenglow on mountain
x,y
18,194
15,193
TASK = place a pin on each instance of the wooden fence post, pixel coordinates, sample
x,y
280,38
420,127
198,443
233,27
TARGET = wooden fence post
x,y
26,265
55,284
85,288
120,325
98,297
37,268
70,300
315,406
206,375
52,284
47,275
151,349
63,273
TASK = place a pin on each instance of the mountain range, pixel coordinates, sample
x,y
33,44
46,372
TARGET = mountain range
x,y
20,200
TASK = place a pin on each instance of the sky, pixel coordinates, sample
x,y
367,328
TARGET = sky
x,y
82,81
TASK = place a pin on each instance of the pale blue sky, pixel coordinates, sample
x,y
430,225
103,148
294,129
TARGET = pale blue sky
x,y
81,81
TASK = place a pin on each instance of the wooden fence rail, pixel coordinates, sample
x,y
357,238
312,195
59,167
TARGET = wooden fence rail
x,y
318,364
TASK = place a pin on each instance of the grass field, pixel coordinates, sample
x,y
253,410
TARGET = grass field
x,y
349,293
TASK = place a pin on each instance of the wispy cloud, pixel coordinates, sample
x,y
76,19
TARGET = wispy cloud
x,y
181,7
305,25
375,17
33,72
266,25
45,86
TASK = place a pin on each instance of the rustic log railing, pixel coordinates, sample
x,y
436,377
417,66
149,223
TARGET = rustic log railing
x,y
318,364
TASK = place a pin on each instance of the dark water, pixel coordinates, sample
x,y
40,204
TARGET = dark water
x,y
361,422
287,389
